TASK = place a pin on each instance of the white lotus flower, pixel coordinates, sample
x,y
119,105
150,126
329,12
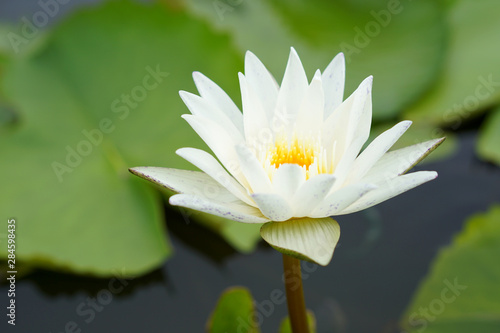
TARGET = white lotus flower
x,y
292,157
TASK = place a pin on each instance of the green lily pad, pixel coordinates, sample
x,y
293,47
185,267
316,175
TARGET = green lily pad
x,y
286,327
461,293
470,79
234,313
101,96
400,43
488,144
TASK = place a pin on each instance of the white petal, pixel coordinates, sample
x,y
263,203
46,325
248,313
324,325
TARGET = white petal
x,y
350,123
310,117
291,93
344,166
253,170
287,180
398,162
218,97
375,150
262,82
389,189
273,206
333,84
185,181
340,199
208,164
236,211
311,193
219,141
256,124
201,107
307,239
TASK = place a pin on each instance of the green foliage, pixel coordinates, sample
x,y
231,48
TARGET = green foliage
x,y
470,78
64,166
81,103
488,145
286,327
234,313
461,292
399,42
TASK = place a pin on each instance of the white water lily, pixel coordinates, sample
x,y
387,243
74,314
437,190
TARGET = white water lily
x,y
292,157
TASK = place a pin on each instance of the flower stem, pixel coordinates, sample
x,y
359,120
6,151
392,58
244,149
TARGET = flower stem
x,y
295,294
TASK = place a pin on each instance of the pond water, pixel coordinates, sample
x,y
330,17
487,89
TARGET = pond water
x,y
382,256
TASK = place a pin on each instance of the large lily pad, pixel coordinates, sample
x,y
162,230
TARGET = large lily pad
x,y
286,326
461,293
488,145
400,43
98,97
234,312
470,79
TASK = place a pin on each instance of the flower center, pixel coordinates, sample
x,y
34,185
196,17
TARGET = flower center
x,y
305,151
298,152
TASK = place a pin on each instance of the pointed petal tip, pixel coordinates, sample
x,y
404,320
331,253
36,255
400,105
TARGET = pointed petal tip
x,y
249,54
184,94
407,123
294,54
317,76
138,171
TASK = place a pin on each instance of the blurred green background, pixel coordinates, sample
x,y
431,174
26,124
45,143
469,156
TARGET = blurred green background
x,y
90,88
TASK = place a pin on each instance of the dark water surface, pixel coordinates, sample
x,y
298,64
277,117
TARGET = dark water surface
x,y
383,254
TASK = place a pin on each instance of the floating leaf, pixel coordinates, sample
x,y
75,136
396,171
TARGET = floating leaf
x,y
234,313
470,79
286,327
461,292
101,96
488,145
400,43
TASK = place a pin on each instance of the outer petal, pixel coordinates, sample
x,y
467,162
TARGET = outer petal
x,y
262,82
311,193
201,107
253,171
273,206
391,188
308,239
236,211
291,93
333,84
218,97
398,162
348,127
184,181
220,143
208,164
340,199
375,150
